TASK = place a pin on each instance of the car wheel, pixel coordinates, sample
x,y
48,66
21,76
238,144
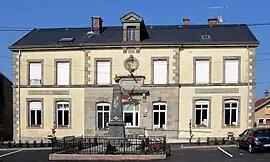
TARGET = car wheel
x,y
250,148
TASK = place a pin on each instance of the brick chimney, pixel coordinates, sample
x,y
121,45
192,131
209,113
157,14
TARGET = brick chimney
x,y
212,21
266,93
186,21
97,24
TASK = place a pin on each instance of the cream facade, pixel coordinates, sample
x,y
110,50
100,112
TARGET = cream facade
x,y
70,87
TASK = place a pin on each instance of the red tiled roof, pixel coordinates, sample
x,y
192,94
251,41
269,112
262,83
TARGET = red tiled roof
x,y
261,101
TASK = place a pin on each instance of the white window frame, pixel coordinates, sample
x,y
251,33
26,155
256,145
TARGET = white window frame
x,y
35,80
133,111
159,111
264,120
59,74
229,73
62,109
202,102
198,73
107,73
231,108
35,109
131,33
157,72
103,111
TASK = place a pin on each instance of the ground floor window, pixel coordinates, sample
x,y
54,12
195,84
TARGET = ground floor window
x,y
103,115
231,109
202,113
131,111
160,115
62,113
35,109
264,121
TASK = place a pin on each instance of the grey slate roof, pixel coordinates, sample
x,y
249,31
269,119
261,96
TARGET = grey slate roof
x,y
221,34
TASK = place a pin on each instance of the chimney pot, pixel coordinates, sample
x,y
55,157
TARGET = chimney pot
x,y
97,24
186,21
212,21
266,93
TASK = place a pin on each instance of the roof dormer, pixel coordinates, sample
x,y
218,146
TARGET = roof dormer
x,y
133,27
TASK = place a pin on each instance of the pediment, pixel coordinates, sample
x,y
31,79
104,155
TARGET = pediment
x,y
131,17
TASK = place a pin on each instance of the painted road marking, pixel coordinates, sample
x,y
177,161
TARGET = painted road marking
x,y
10,153
225,152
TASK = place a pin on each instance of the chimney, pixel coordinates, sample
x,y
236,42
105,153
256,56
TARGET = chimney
x,y
266,93
186,21
97,24
212,21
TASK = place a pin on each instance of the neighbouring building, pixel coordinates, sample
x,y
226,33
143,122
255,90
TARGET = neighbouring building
x,y
201,72
6,110
262,111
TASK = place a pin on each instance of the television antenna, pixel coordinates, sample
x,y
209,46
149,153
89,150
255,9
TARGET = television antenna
x,y
220,18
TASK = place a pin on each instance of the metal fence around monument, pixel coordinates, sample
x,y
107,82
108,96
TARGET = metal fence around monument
x,y
102,145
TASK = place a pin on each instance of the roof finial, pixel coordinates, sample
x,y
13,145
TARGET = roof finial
x,y
266,93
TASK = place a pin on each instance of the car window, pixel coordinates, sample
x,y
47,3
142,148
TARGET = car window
x,y
245,132
262,132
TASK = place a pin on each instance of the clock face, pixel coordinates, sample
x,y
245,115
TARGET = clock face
x,y
131,64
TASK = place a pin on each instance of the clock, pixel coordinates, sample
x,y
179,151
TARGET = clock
x,y
131,64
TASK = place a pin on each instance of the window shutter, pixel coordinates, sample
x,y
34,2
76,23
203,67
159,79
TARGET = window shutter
x,y
35,73
160,72
231,71
35,105
63,73
103,72
202,71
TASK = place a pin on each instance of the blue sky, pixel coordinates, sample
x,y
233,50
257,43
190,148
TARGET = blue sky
x,y
77,13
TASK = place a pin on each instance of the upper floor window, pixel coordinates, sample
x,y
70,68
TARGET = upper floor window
x,y
35,73
62,113
35,111
231,71
131,33
160,115
201,113
103,115
63,72
160,71
103,72
131,115
231,108
202,71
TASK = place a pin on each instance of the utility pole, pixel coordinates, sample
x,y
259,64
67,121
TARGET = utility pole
x,y
218,8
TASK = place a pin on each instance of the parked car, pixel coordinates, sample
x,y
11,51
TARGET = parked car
x,y
254,139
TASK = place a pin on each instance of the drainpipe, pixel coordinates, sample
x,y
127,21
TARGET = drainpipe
x,y
248,83
179,85
19,90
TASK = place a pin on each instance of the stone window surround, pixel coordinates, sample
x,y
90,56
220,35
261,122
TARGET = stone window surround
x,y
236,98
96,122
28,100
28,70
95,68
239,67
152,68
55,100
166,113
202,58
207,98
55,70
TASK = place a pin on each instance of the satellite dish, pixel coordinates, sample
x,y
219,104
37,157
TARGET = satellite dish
x,y
220,19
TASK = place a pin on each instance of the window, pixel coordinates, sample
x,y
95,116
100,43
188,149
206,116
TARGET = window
x,y
201,113
63,73
35,70
35,108
160,115
261,121
131,113
160,71
231,112
62,113
267,121
231,71
131,33
103,115
103,72
202,71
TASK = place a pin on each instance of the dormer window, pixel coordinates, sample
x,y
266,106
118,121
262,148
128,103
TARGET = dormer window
x,y
131,33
